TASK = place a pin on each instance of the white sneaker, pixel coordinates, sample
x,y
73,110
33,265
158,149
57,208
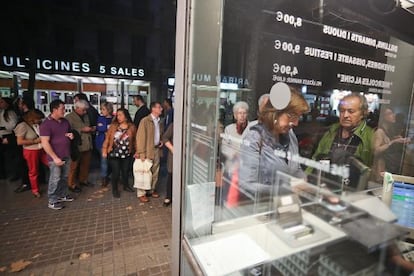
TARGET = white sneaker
x,y
55,206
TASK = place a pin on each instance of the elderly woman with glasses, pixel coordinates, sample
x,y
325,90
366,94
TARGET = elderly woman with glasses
x,y
267,145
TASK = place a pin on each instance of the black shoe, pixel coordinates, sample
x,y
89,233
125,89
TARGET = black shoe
x,y
22,188
75,190
86,184
128,189
116,194
167,202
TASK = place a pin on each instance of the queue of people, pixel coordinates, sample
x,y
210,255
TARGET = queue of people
x,y
246,147
64,146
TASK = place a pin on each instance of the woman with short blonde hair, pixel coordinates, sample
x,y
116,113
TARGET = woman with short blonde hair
x,y
268,147
269,116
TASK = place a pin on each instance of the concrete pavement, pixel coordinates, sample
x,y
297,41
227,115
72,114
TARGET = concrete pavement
x,y
93,235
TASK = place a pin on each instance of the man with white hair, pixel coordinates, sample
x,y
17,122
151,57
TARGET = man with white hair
x,y
79,121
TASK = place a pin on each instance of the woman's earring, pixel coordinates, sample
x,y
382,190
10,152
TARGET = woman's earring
x,y
275,121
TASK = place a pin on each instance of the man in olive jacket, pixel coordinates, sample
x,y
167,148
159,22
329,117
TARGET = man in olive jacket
x,y
149,146
350,137
79,121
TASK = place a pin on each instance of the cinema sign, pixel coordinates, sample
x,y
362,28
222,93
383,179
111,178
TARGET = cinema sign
x,y
12,63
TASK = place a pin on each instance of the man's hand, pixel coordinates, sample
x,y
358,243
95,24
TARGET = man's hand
x,y
87,129
58,162
137,156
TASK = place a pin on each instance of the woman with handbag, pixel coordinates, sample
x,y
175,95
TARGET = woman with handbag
x,y
27,133
118,147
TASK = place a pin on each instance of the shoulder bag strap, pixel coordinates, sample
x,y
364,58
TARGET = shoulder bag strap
x,y
37,135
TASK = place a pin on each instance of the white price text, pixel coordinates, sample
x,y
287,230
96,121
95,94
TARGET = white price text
x,y
289,19
287,47
285,69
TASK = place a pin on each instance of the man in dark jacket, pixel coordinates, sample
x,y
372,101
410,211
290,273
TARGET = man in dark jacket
x,y
168,112
142,111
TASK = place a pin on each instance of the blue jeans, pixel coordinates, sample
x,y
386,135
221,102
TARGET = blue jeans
x,y
104,164
58,180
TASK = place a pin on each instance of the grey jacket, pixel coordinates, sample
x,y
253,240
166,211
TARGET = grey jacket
x,y
259,164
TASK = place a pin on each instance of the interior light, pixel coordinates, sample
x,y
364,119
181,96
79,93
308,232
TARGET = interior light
x,y
229,86
171,81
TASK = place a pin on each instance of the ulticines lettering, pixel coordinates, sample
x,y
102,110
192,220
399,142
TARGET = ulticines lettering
x,y
47,64
67,66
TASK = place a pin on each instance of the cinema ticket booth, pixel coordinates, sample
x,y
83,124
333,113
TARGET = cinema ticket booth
x,y
337,218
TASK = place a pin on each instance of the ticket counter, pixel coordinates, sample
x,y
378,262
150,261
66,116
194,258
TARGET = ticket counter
x,y
325,51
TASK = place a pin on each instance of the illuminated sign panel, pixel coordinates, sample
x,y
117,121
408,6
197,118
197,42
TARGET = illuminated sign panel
x,y
11,63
